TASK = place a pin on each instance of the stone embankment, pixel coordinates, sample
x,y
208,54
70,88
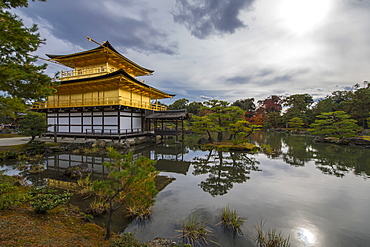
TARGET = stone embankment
x,y
352,141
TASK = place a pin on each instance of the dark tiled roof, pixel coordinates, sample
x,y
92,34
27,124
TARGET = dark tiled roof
x,y
171,114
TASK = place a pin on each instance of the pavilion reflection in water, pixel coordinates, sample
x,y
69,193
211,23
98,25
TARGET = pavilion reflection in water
x,y
168,159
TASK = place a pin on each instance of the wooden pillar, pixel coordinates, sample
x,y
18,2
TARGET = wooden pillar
x,y
176,133
119,123
55,133
182,129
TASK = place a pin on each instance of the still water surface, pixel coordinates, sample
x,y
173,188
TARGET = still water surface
x,y
318,194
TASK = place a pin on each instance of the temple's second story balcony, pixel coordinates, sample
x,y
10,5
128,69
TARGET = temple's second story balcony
x,y
99,102
85,72
88,72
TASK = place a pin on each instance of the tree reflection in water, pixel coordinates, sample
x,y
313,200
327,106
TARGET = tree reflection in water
x,y
331,159
224,169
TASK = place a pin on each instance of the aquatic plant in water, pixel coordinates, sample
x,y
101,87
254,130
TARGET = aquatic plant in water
x,y
85,186
98,206
231,219
270,238
194,230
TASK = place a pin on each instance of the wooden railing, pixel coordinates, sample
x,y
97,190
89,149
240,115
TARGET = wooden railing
x,y
88,72
99,102
85,72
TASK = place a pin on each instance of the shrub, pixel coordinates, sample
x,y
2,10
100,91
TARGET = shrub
x,y
46,199
87,217
36,168
128,239
8,155
10,195
36,147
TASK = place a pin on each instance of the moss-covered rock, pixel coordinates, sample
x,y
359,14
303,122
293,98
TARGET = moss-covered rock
x,y
230,146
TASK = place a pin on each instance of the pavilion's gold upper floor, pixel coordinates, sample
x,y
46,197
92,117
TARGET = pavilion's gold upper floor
x,y
101,77
99,61
90,72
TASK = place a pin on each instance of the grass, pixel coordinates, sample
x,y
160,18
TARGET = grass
x,y
231,220
270,238
92,150
85,186
140,212
15,148
11,135
62,226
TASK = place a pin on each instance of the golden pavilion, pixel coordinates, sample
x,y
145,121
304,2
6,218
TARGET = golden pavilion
x,y
101,95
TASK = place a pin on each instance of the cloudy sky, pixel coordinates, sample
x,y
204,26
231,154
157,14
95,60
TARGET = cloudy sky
x,y
220,49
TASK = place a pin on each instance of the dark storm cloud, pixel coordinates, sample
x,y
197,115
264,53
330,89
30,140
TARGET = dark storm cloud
x,y
239,79
265,72
205,18
288,77
266,77
74,20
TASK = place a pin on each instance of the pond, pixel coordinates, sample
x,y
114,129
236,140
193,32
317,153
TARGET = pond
x,y
318,194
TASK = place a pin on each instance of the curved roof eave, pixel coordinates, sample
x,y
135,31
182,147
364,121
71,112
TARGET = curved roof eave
x,y
106,44
118,72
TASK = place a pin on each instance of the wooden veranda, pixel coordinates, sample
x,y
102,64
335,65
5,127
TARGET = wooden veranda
x,y
168,123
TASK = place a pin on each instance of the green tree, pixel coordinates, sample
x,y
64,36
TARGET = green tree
x,y
298,106
296,123
247,105
194,107
19,76
179,104
273,120
203,125
222,115
242,128
334,102
359,104
33,124
130,182
10,107
336,124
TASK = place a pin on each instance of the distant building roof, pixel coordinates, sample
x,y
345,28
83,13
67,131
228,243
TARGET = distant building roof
x,y
170,115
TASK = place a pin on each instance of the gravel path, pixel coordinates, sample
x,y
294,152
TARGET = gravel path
x,y
13,141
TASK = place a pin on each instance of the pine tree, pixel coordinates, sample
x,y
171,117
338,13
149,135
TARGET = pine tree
x,y
19,76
